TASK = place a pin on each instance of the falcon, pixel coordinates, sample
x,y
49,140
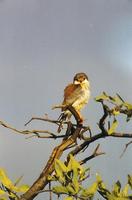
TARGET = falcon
x,y
76,94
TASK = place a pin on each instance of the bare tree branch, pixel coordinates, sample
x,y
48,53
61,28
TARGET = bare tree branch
x,y
57,122
42,181
126,146
94,154
32,132
42,119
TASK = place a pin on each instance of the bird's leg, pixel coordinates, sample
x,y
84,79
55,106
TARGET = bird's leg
x,y
81,120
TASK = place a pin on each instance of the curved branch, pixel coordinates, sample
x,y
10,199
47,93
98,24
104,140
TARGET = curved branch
x,y
42,180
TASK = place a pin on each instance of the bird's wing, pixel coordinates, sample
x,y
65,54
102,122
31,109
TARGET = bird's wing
x,y
71,94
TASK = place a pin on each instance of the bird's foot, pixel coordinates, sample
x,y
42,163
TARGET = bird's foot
x,y
80,119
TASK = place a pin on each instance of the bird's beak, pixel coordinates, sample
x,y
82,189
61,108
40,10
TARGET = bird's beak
x,y
76,82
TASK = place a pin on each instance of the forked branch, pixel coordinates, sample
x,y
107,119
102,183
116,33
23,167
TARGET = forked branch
x,y
42,181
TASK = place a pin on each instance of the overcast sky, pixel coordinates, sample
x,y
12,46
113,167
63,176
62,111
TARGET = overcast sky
x,y
43,43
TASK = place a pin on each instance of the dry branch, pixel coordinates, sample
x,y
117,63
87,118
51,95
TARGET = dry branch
x,y
42,181
126,146
33,133
95,153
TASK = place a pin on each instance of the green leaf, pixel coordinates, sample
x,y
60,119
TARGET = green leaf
x,y
23,188
103,96
128,105
98,178
78,173
12,196
18,180
60,189
75,183
74,165
90,191
60,165
116,194
115,111
69,198
70,189
52,178
76,169
124,192
8,184
113,127
117,189
60,170
130,180
102,187
84,174
2,192
64,189
101,184
5,180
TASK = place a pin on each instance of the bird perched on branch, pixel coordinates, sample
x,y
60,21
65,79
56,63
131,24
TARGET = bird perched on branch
x,y
76,94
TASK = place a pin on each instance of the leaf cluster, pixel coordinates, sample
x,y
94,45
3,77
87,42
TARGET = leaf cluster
x,y
113,107
119,105
117,193
8,189
71,176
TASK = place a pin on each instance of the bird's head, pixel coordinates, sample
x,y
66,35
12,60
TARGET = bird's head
x,y
81,79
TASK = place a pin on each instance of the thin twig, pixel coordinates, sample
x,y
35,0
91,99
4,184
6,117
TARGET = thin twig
x,y
34,132
46,137
126,146
94,154
57,122
50,191
121,135
42,119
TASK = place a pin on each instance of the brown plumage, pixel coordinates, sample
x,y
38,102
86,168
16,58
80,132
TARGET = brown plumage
x,y
68,91
76,94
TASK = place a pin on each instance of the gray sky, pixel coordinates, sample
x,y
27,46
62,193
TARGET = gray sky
x,y
43,43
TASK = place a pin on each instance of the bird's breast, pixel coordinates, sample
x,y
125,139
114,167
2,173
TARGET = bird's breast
x,y
82,98
79,95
